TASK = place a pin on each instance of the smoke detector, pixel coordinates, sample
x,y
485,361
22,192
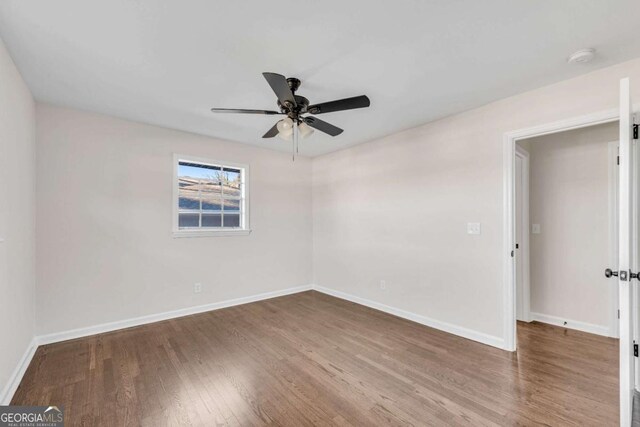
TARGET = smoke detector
x,y
582,56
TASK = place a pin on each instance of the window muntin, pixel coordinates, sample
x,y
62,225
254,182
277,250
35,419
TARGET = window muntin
x,y
211,197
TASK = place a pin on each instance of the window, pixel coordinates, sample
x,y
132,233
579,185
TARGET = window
x,y
210,198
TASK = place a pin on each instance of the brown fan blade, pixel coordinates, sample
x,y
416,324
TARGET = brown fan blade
x,y
323,126
340,105
281,88
235,110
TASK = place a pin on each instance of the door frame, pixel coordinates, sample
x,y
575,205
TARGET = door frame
x,y
524,244
509,150
612,249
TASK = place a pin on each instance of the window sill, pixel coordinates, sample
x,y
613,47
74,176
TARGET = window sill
x,y
210,233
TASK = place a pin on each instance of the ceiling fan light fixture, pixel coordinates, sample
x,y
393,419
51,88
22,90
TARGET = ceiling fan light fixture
x,y
305,130
285,125
286,136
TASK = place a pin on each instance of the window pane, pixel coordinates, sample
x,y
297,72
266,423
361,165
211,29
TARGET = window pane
x,y
195,171
231,220
209,196
188,220
231,182
188,197
199,177
211,220
231,205
211,202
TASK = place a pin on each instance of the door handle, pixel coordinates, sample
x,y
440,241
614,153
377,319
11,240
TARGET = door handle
x,y
608,273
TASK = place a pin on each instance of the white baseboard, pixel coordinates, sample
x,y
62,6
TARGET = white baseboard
x,y
137,321
436,324
15,378
127,323
571,324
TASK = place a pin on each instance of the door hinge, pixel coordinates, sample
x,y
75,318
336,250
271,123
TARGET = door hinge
x,y
618,160
635,131
635,350
618,314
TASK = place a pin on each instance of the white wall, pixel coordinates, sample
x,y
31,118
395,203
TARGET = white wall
x,y
569,198
17,219
105,248
396,208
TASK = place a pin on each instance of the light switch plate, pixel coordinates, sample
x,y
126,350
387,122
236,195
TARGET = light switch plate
x,y
473,228
535,228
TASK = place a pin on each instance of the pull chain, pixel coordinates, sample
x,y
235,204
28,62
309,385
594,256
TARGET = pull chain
x,y
294,142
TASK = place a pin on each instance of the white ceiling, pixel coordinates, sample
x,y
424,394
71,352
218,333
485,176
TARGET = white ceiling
x,y
168,62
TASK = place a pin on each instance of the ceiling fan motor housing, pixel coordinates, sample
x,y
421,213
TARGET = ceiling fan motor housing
x,y
294,83
302,103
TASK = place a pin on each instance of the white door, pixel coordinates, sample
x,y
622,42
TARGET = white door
x,y
625,252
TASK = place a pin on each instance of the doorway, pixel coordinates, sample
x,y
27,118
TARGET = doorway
x,y
566,183
564,215
625,271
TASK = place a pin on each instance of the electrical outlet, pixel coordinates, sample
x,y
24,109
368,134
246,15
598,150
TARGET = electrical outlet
x,y
383,285
535,228
197,288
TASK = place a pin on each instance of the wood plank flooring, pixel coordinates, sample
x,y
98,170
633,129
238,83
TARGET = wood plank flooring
x,y
311,359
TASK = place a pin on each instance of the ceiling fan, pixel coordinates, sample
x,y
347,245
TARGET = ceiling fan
x,y
295,106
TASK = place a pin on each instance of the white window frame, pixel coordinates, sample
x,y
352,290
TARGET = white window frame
x,y
244,230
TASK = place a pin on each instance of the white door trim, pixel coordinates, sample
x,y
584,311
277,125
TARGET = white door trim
x,y
509,148
524,244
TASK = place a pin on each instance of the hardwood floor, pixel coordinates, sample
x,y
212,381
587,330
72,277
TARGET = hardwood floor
x,y
311,359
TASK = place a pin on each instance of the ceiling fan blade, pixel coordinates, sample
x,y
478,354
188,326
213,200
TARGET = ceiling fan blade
x,y
340,105
280,86
271,132
235,110
323,126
